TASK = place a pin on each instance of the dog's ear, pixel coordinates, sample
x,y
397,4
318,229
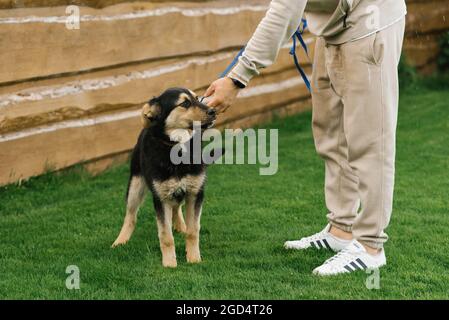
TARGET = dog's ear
x,y
150,112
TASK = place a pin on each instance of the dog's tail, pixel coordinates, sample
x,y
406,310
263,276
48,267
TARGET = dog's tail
x,y
135,169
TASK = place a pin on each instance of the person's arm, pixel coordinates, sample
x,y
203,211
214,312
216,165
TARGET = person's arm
x,y
276,28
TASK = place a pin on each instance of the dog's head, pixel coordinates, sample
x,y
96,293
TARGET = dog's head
x,y
176,110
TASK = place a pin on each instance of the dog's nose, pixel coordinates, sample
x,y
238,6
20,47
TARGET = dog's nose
x,y
211,112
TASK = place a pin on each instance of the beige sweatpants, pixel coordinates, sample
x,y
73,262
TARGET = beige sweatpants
x,y
355,108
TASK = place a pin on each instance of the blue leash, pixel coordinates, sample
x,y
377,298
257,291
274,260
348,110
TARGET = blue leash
x,y
233,63
297,35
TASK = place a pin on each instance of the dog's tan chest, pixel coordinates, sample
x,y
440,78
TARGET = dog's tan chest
x,y
172,188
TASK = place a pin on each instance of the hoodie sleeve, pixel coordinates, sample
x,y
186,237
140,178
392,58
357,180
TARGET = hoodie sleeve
x,y
276,28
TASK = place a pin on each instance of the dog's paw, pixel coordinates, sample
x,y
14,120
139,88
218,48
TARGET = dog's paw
x,y
169,263
193,258
119,242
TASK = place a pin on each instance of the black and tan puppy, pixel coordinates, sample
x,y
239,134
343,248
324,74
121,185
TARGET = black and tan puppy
x,y
164,118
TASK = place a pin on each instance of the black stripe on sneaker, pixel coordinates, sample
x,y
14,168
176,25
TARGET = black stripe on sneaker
x,y
319,244
348,268
312,244
327,244
361,263
355,266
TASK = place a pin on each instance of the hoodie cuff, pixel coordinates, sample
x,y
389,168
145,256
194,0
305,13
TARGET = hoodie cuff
x,y
242,73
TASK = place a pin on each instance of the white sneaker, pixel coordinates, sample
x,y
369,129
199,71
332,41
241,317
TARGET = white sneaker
x,y
320,240
352,258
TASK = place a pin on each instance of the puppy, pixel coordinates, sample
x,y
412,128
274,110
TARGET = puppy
x,y
168,120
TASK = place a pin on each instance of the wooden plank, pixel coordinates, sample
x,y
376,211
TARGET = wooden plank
x,y
422,50
11,4
424,17
33,104
267,116
33,152
36,154
97,166
118,35
39,44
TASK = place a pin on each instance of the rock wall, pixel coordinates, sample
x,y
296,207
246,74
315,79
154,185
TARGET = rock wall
x,y
73,96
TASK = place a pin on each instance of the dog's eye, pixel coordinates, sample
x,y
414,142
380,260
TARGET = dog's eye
x,y
186,104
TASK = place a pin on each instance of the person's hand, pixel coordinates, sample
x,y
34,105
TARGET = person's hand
x,y
221,94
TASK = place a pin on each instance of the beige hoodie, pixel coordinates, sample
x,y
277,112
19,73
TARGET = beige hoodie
x,y
337,21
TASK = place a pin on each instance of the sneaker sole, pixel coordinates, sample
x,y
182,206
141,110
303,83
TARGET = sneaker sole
x,y
340,273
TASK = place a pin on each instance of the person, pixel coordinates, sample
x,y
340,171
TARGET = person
x,y
354,104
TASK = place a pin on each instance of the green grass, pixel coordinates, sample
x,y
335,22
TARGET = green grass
x,y
54,221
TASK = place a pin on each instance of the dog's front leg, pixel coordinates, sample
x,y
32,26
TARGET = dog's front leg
x,y
194,204
164,214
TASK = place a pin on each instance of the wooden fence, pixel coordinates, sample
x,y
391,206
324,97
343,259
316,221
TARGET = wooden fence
x,y
70,96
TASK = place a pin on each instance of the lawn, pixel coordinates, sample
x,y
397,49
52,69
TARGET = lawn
x,y
54,221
